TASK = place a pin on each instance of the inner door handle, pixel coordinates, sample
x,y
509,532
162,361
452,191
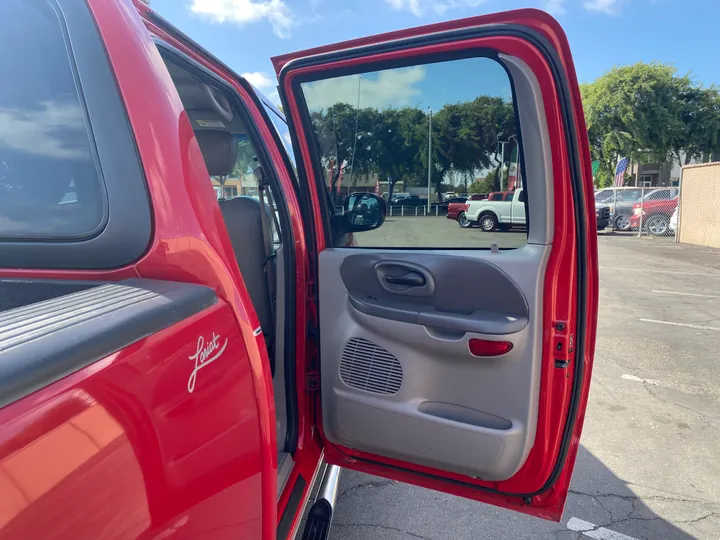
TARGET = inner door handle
x,y
411,279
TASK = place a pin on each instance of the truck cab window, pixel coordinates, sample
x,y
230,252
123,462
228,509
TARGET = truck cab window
x,y
50,185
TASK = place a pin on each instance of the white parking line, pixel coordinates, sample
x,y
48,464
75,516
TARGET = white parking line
x,y
686,294
593,531
696,326
654,271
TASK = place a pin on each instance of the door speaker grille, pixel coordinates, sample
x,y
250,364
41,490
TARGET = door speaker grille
x,y
367,366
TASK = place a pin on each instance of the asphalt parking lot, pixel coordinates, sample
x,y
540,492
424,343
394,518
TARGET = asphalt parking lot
x,y
649,462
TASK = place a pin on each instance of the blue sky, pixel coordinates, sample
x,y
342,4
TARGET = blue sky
x,y
602,33
422,86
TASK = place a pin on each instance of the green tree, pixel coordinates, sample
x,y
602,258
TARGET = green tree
x,y
648,112
397,142
483,185
247,160
394,142
335,131
700,113
636,112
467,133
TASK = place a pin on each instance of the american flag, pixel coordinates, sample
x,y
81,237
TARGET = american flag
x,y
622,166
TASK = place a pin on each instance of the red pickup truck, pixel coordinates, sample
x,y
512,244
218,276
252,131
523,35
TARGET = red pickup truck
x,y
177,366
458,205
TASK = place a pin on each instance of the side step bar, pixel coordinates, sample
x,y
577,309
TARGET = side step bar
x,y
317,526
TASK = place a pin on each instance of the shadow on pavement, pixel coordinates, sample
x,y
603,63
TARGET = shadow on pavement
x,y
599,497
600,505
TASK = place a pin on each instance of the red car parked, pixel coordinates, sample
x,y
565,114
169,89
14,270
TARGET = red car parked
x,y
177,366
653,213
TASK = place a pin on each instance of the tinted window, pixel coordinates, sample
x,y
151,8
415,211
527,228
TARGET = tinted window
x,y
604,196
282,129
659,195
629,195
497,197
521,196
49,182
450,124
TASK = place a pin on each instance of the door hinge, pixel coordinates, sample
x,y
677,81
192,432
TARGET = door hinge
x,y
563,344
312,381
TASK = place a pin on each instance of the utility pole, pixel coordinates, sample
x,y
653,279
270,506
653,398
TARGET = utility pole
x,y
502,162
429,157
355,138
502,157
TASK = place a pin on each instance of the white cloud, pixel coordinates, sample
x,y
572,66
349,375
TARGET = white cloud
x,y
611,7
259,79
55,130
420,7
392,88
555,7
242,12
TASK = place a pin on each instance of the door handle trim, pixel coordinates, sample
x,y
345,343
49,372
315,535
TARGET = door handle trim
x,y
411,279
417,281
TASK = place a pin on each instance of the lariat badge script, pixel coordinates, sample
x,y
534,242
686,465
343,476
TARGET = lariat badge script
x,y
204,355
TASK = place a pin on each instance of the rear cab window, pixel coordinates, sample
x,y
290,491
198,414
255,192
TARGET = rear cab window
x,y
72,187
50,184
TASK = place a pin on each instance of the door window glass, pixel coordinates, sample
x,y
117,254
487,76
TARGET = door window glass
x,y
283,131
50,187
422,131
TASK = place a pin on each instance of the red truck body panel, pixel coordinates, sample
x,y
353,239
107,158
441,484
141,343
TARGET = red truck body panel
x,y
189,244
121,449
455,209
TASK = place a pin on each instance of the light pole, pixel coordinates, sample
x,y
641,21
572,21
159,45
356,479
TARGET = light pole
x,y
355,140
502,157
429,157
513,139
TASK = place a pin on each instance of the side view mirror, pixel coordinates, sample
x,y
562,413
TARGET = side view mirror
x,y
363,212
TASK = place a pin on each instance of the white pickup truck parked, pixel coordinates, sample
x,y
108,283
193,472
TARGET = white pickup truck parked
x,y
491,215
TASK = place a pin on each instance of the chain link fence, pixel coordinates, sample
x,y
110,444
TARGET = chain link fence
x,y
655,213
644,211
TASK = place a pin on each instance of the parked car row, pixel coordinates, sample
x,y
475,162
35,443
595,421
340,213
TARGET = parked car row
x,y
505,209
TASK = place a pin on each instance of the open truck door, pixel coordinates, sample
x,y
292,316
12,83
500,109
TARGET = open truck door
x,y
460,366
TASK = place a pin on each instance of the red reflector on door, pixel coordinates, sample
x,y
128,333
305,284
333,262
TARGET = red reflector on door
x,y
485,347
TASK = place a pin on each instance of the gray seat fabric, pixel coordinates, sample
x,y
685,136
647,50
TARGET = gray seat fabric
x,y
251,243
219,149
